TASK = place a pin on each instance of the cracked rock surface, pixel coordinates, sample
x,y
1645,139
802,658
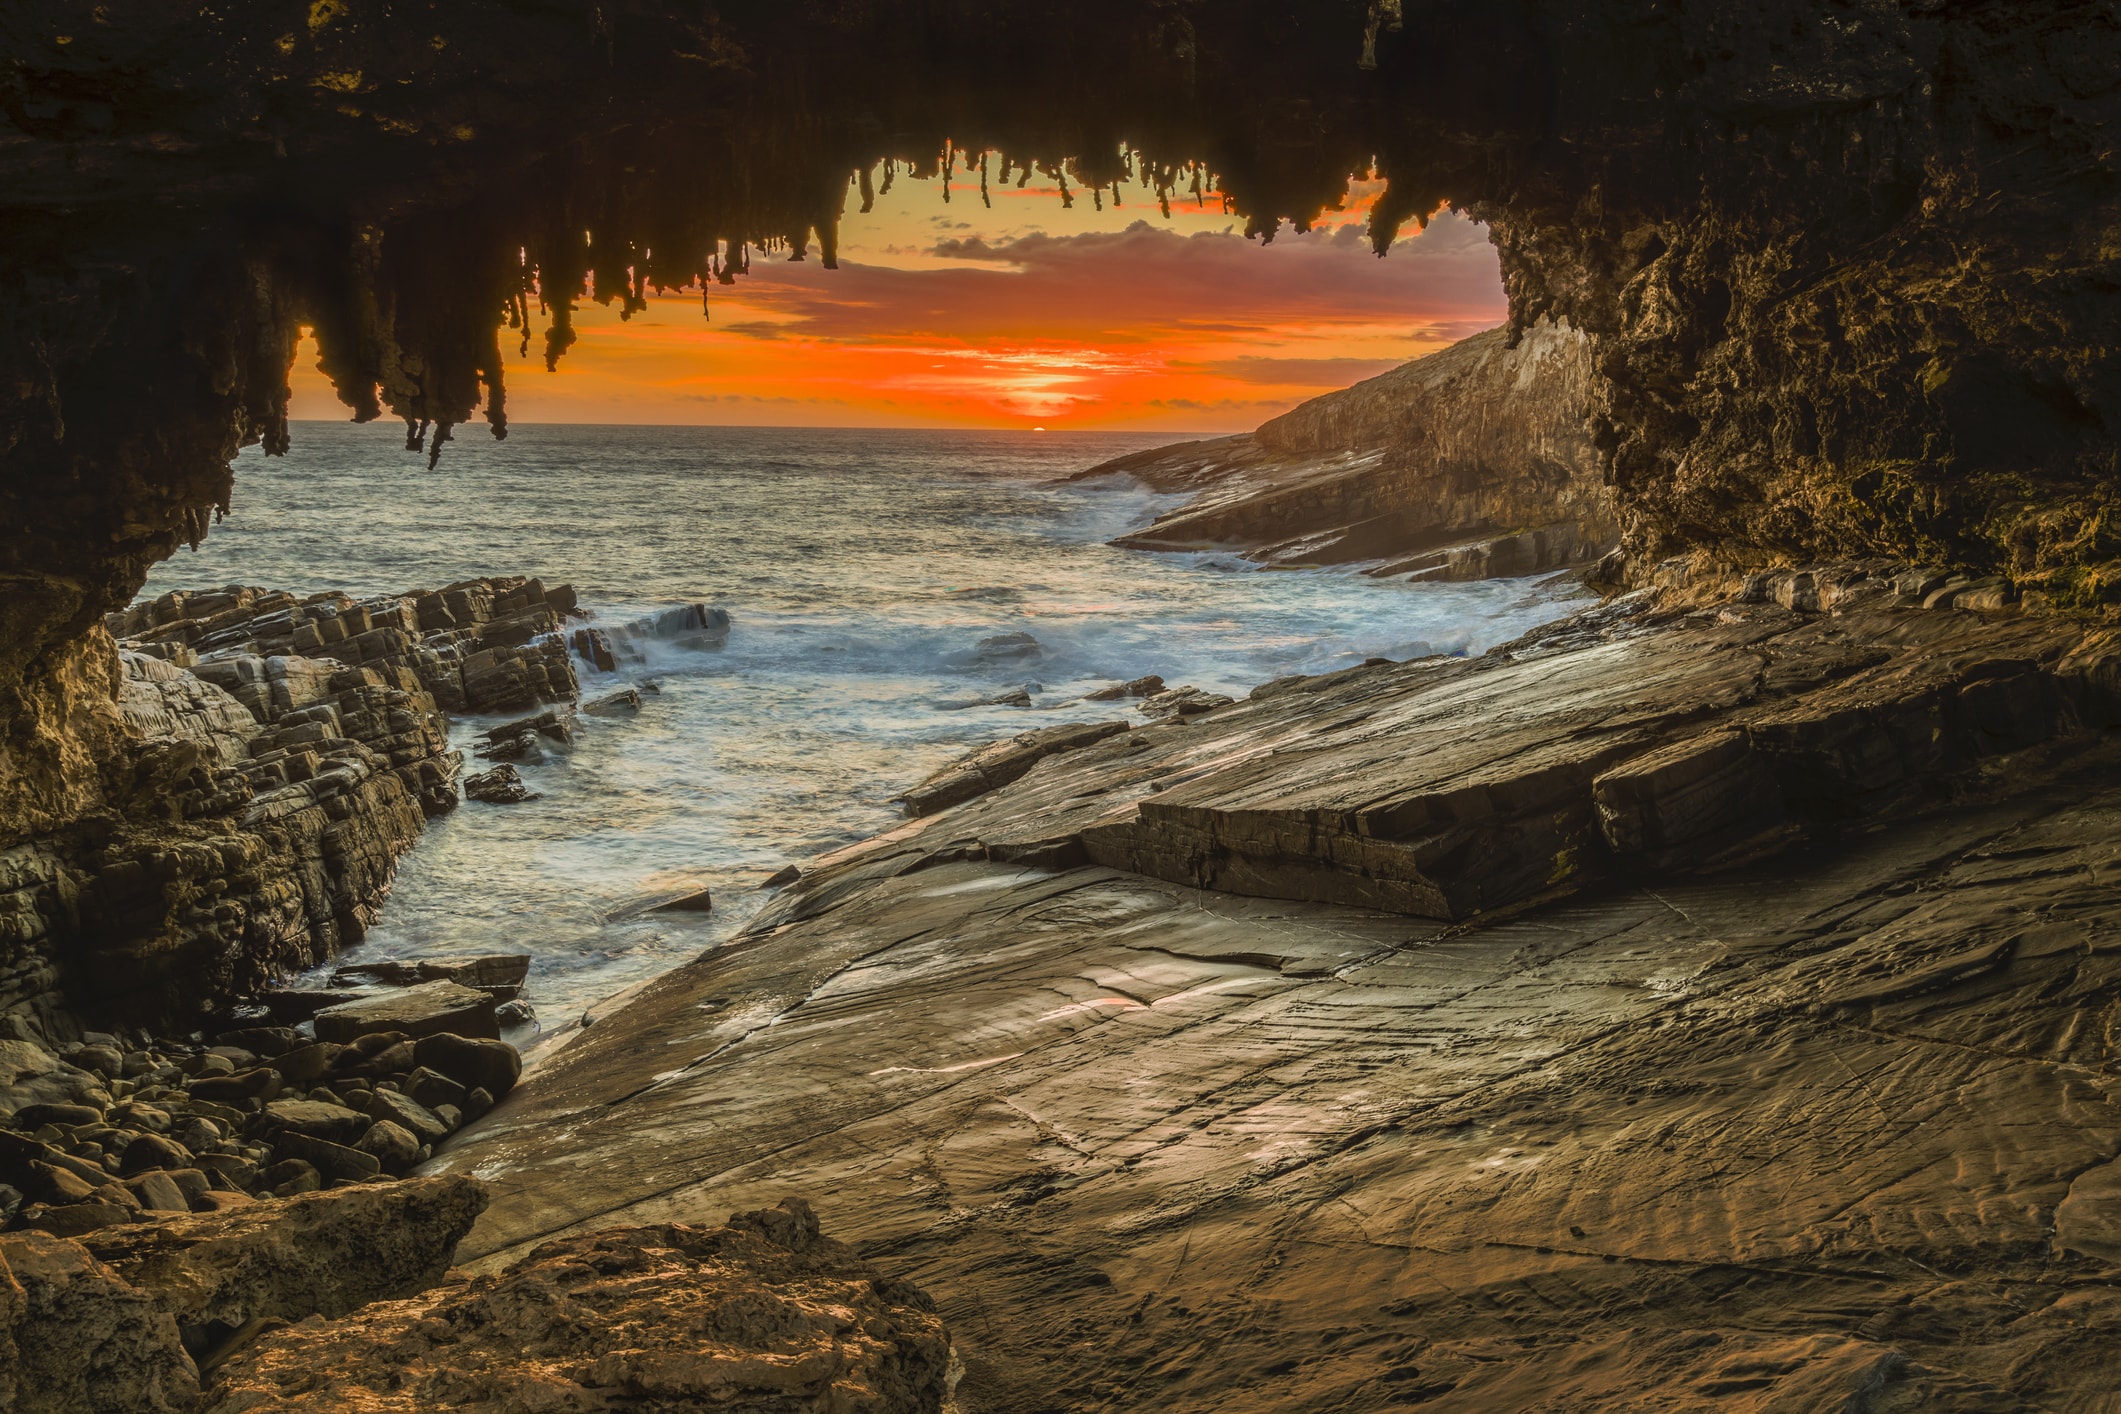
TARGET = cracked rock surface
x,y
1801,1089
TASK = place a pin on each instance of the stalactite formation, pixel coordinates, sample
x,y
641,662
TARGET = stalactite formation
x,y
1846,265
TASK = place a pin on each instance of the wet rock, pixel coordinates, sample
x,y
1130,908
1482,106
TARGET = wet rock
x,y
593,648
614,704
992,767
81,1338
700,901
514,1013
763,1313
503,785
489,1065
418,1011
1006,647
781,878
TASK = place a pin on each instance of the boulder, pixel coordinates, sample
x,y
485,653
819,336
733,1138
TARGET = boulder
x,y
503,785
323,1121
76,1337
424,1010
391,1107
492,1066
335,1162
761,1314
391,1145
318,1255
700,901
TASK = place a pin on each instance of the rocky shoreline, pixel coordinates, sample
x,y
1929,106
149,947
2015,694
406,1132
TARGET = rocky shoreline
x,y
1759,902
1475,462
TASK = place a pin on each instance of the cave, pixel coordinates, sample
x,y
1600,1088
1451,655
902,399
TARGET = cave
x,y
1849,282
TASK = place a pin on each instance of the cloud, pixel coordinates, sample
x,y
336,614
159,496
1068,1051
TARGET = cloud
x,y
1139,285
1302,372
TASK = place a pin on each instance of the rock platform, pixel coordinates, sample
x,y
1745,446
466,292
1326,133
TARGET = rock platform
x,y
1760,1047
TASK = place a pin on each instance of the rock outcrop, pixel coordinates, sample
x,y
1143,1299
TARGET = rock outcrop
x,y
266,761
763,1314
1759,1054
1472,463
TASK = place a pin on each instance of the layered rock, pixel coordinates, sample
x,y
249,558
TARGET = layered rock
x,y
1472,463
264,763
1757,1055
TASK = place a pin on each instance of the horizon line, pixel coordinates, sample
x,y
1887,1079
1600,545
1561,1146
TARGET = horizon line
x,y
395,423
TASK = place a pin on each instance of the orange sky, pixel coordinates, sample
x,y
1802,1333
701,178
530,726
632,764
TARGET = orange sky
x,y
1026,314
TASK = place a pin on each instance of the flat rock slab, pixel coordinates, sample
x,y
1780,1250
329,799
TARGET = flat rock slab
x,y
425,1010
1829,1127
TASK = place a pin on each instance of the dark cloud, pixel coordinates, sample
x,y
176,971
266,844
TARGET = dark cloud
x,y
1140,286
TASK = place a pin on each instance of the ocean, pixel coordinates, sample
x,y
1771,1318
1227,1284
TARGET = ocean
x,y
861,570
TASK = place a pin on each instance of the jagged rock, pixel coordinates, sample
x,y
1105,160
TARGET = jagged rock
x,y
1006,647
699,901
499,975
422,1011
319,1255
781,878
75,1338
503,785
761,1314
1005,761
1436,467
625,700
1015,697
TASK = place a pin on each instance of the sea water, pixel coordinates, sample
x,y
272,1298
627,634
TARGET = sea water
x,y
861,569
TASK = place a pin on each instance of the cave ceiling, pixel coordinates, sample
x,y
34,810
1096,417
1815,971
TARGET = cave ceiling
x,y
1850,266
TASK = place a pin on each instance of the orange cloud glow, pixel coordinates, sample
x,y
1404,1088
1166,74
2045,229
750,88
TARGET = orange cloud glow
x,y
1026,313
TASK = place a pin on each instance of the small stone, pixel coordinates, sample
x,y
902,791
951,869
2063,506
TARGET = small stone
x,y
391,1145
291,1176
432,1088
11,1201
158,1193
106,1059
153,1151
700,902
210,1064
624,700
37,1116
476,1104
48,1183
306,1064
452,1119
407,1113
334,1161
260,1085
74,1219
233,1170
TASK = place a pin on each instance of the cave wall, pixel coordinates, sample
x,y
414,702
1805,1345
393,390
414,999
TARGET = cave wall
x,y
1849,267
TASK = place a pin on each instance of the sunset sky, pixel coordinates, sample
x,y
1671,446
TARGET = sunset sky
x,y
1026,314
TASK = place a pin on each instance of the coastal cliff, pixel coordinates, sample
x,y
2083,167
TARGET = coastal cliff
x,y
1471,463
